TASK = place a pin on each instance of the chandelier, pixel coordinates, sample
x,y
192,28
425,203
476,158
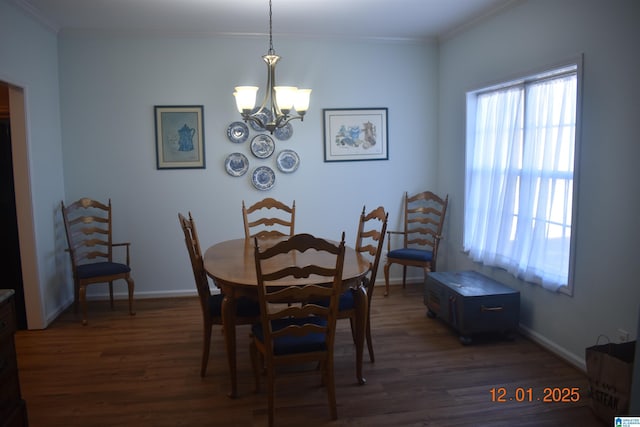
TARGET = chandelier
x,y
280,105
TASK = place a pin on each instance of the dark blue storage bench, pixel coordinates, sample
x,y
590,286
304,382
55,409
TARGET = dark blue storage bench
x,y
472,303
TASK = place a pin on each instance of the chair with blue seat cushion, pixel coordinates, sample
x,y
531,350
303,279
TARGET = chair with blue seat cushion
x,y
247,310
370,243
88,226
424,215
293,329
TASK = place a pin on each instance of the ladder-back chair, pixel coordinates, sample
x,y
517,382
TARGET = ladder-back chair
x,y
88,225
424,215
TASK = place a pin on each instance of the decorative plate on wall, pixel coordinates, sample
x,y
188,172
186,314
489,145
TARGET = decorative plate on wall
x,y
284,132
236,164
263,178
288,161
265,115
237,132
262,146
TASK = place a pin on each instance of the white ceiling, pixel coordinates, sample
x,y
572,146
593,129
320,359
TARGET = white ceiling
x,y
386,19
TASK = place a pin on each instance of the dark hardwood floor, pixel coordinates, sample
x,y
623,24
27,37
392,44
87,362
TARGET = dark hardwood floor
x,y
144,371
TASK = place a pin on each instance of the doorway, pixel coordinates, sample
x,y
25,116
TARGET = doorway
x,y
9,238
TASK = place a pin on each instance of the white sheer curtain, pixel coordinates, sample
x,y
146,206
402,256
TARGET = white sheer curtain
x,y
519,179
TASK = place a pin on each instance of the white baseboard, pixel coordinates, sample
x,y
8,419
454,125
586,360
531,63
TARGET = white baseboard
x,y
146,295
398,281
556,349
60,309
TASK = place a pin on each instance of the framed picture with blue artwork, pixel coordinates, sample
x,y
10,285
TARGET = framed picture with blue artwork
x,y
352,134
179,137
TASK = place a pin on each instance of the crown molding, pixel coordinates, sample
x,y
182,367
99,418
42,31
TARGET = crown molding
x,y
36,14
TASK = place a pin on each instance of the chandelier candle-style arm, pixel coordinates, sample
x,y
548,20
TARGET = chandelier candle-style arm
x,y
280,104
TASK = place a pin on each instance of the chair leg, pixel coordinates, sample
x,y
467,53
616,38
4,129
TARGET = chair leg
x,y
255,363
131,286
206,345
83,303
323,372
271,398
386,279
404,276
370,342
111,294
367,336
76,297
353,328
427,270
331,387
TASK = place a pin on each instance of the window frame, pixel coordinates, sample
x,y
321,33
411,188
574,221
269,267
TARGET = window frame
x,y
539,74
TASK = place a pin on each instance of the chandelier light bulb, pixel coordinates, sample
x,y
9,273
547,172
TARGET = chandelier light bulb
x,y
245,97
285,97
301,103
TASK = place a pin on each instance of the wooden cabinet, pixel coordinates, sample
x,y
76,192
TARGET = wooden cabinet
x,y
13,410
472,303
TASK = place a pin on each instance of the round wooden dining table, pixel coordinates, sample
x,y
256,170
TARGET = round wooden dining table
x,y
231,265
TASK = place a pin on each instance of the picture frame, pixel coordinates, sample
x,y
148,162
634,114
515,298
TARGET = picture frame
x,y
355,134
179,136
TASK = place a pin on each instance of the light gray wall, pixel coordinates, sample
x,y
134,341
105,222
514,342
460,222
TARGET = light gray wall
x,y
109,85
525,37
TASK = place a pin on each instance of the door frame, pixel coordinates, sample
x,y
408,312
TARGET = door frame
x,y
24,208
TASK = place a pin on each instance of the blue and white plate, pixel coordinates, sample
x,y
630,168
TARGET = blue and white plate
x,y
238,132
284,132
265,116
263,178
262,146
288,161
236,164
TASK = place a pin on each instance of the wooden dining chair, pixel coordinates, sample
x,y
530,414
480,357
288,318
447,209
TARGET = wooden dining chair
x,y
423,222
369,242
89,229
294,330
269,218
247,311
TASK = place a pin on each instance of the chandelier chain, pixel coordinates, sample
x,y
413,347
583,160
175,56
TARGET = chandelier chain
x,y
271,50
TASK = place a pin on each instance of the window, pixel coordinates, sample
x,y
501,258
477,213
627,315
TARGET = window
x,y
520,155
